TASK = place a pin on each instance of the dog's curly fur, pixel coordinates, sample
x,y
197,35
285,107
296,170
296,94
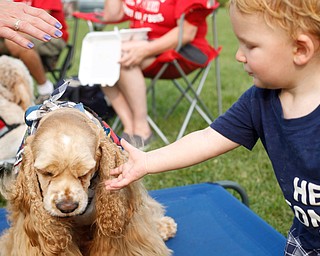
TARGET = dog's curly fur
x,y
49,209
16,82
16,95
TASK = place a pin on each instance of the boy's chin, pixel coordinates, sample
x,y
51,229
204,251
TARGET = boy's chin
x,y
261,85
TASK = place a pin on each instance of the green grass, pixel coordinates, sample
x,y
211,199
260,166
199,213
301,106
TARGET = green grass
x,y
251,169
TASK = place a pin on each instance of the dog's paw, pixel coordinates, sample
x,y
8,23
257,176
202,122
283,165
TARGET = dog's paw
x,y
167,228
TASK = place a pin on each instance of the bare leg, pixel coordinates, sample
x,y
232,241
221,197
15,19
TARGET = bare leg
x,y
128,98
133,88
121,107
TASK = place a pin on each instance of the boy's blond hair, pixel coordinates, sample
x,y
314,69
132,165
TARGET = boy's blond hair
x,y
291,15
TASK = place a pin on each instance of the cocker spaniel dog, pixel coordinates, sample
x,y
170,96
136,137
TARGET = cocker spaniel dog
x,y
58,204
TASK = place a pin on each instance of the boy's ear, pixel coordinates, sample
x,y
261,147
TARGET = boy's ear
x,y
304,49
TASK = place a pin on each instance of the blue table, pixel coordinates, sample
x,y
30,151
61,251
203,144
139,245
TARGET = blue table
x,y
211,221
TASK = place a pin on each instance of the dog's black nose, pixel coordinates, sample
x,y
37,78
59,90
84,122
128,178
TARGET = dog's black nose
x,y
67,206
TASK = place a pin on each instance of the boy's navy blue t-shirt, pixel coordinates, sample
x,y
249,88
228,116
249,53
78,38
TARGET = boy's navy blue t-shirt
x,y
293,146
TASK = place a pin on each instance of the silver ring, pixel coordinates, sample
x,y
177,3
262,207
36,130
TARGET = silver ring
x,y
16,25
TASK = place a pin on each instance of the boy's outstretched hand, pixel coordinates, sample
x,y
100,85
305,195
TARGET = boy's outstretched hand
x,y
134,169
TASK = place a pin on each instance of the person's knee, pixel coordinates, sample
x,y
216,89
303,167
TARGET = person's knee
x,y
111,92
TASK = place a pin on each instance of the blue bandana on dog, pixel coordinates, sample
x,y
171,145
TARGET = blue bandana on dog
x,y
34,114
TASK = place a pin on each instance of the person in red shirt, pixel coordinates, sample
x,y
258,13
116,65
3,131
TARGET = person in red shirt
x,y
50,47
128,97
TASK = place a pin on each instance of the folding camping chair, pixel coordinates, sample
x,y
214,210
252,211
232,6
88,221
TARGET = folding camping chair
x,y
93,20
211,221
190,91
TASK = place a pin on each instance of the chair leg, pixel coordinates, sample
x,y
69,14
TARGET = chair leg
x,y
183,92
195,94
192,107
194,101
157,130
152,87
116,124
218,85
204,111
217,63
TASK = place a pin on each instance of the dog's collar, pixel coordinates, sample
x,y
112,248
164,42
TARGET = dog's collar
x,y
34,114
91,190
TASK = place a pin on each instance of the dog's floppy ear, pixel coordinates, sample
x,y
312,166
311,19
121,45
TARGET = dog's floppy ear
x,y
23,192
4,92
114,208
43,230
23,93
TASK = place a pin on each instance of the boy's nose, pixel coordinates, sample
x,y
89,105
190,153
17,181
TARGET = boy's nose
x,y
240,56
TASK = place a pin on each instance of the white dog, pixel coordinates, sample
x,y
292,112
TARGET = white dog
x,y
16,95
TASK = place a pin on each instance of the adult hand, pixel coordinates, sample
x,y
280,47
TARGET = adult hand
x,y
134,169
20,17
133,52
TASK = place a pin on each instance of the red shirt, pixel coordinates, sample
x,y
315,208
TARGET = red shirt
x,y
55,8
162,15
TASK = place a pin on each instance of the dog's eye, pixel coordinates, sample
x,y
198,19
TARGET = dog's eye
x,y
83,176
46,173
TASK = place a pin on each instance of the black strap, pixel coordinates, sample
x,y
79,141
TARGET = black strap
x,y
7,128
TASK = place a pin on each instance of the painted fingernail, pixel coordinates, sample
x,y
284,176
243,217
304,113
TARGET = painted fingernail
x,y
58,25
47,37
58,33
30,45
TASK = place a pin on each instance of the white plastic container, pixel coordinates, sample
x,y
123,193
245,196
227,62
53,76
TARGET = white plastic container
x,y
101,52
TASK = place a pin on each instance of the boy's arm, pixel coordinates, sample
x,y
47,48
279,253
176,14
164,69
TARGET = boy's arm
x,y
191,149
